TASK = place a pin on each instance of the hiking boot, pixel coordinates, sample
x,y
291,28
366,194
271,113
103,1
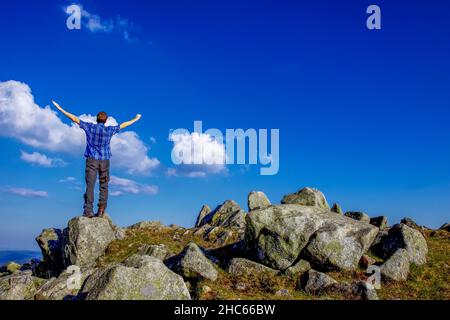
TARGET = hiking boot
x,y
101,212
88,215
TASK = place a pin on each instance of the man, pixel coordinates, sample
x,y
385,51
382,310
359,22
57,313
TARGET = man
x,y
98,153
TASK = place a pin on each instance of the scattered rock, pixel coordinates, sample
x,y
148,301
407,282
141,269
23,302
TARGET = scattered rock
x,y
20,285
192,263
155,225
159,251
316,282
203,230
228,215
445,226
402,236
243,267
366,261
380,222
205,210
257,200
396,267
307,197
137,278
278,234
357,215
86,239
298,269
51,242
283,293
12,267
358,290
410,223
336,208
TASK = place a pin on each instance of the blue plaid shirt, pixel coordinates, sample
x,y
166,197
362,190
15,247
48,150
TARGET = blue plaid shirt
x,y
98,137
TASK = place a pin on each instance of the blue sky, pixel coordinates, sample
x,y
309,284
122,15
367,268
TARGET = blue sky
x,y
363,115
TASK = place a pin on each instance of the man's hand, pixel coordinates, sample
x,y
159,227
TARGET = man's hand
x,y
129,123
67,114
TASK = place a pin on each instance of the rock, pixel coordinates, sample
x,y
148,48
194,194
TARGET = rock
x,y
257,200
402,236
243,267
396,267
203,230
65,287
159,251
192,263
357,215
445,226
205,290
12,267
204,211
283,293
357,289
51,242
86,239
366,261
19,286
410,223
224,237
278,234
155,225
307,197
119,233
336,208
137,278
228,215
298,269
380,222
316,282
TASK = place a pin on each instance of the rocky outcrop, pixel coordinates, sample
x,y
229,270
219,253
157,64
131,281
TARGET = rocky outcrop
x,y
204,211
86,239
380,222
257,200
137,278
336,208
278,235
192,263
357,215
400,236
396,268
229,214
307,197
243,267
410,223
51,242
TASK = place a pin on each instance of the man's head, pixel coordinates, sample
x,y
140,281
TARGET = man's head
x,y
102,117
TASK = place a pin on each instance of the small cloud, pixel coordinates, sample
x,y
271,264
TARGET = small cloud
x,y
68,179
23,192
121,186
42,160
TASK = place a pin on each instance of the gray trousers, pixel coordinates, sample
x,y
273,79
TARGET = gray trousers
x,y
94,166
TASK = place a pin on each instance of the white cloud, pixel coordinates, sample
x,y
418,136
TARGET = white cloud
x,y
23,192
120,186
21,118
68,179
40,159
197,155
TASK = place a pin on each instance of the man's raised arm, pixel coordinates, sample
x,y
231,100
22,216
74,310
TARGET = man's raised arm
x,y
129,123
67,114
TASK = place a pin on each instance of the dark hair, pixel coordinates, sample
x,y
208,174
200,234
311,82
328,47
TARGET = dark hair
x,y
102,117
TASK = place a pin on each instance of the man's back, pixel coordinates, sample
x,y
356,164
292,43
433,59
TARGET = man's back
x,y
98,138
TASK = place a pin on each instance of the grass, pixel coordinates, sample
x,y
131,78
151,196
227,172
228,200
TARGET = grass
x,y
430,281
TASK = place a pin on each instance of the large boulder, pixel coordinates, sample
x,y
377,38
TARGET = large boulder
x,y
137,278
192,263
243,267
278,234
19,286
358,215
316,282
402,236
396,268
51,242
257,200
204,211
307,197
229,215
86,239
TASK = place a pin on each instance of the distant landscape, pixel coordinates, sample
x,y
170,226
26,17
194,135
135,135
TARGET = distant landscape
x,y
19,256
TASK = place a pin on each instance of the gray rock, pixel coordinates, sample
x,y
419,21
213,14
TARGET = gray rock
x,y
12,267
51,242
316,282
257,200
159,251
243,267
203,230
357,289
278,234
204,211
155,225
307,197
410,223
137,278
19,286
402,236
336,208
396,267
192,263
228,215
445,226
357,215
298,268
86,239
380,222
